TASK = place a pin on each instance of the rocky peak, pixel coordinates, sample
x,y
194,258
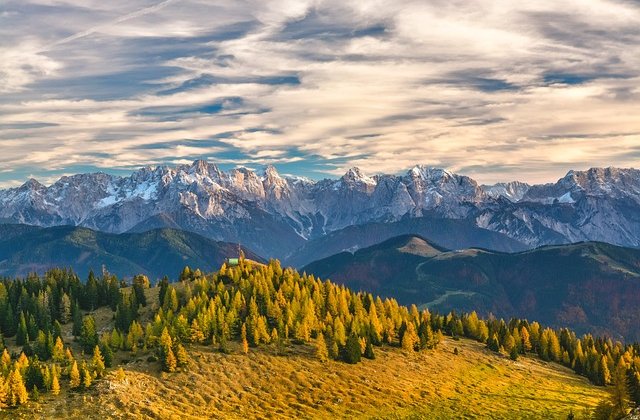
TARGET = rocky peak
x,y
356,176
431,174
512,191
31,185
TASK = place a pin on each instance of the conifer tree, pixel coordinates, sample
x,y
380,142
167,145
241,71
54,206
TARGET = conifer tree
x,y
605,375
526,342
243,338
86,378
409,337
107,354
368,351
3,393
513,353
16,390
182,358
620,392
88,334
140,283
98,362
170,362
5,362
55,381
65,308
195,332
22,335
322,353
74,376
164,286
352,352
76,316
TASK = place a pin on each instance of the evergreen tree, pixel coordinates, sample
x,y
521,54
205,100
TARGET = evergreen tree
x,y
513,353
140,283
35,394
22,335
107,354
90,298
352,352
65,308
164,286
76,316
368,351
88,334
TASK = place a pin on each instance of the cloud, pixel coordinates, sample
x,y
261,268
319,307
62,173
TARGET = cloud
x,y
499,90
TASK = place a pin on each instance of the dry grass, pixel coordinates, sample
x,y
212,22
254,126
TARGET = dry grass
x,y
434,384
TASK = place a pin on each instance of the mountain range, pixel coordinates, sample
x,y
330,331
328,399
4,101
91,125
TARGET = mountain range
x,y
278,216
589,287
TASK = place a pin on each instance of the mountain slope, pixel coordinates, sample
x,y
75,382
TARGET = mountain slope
x,y
24,249
587,286
276,215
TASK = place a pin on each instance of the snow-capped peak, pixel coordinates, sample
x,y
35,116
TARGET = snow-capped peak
x,y
356,175
512,191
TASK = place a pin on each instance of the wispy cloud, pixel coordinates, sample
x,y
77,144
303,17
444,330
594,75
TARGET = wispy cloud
x,y
499,90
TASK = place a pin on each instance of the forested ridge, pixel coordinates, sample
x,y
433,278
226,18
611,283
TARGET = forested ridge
x,y
255,305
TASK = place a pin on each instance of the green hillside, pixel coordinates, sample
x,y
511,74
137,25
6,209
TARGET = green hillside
x,y
155,253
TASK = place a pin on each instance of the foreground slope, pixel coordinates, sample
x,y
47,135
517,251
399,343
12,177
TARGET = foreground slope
x,y
589,287
331,353
476,383
156,253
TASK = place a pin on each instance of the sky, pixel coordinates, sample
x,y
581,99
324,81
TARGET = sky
x,y
498,90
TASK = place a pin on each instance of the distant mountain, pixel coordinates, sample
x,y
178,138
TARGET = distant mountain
x,y
451,233
25,249
277,215
587,286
